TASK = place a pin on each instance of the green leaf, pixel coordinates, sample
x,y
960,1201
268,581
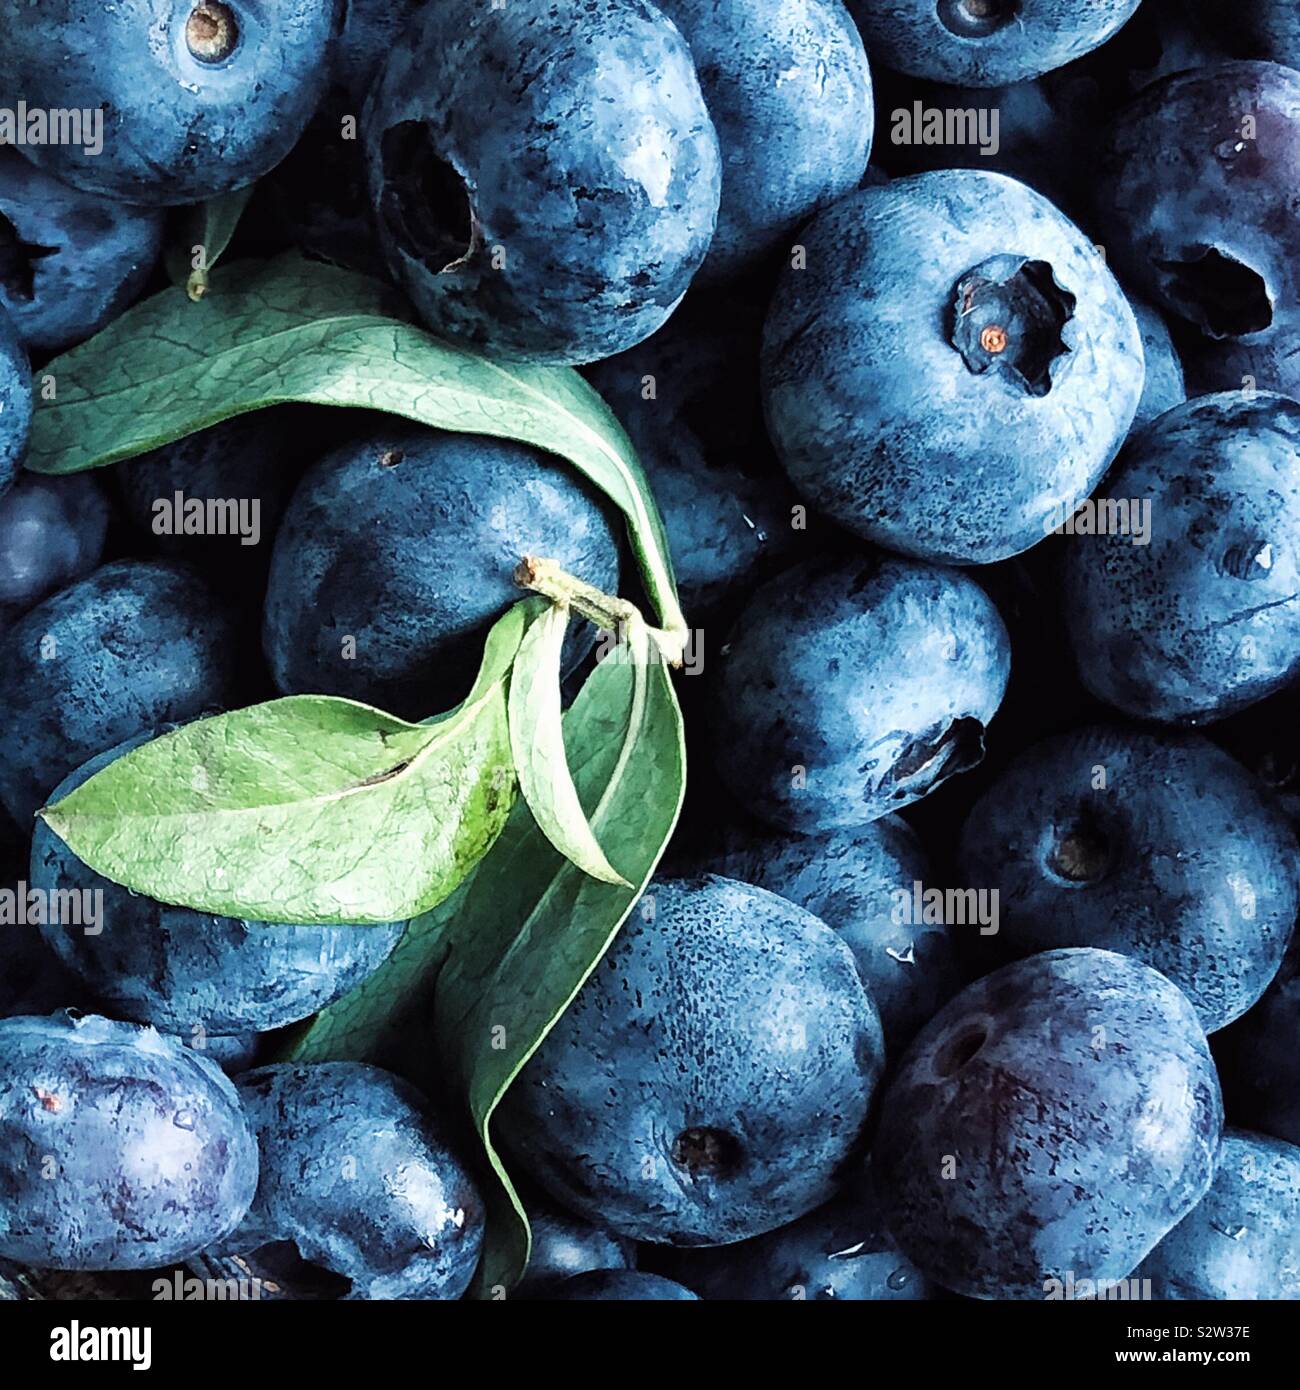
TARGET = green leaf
x,y
205,231
537,740
295,330
476,984
307,809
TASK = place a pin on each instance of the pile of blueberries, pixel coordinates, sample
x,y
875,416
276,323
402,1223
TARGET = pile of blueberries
x,y
960,343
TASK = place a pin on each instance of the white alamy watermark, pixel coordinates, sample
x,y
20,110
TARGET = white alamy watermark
x,y
189,1288
179,515
933,125
955,907
43,125
1092,1290
1101,516
22,906
77,1343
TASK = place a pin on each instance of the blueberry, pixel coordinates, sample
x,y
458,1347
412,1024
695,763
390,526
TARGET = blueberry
x,y
841,1251
1052,1122
15,401
367,30
849,689
357,1177
545,177
1259,1059
182,970
179,101
1242,1239
985,43
618,1286
788,87
710,1077
69,261
135,645
1199,618
1163,386
563,1246
688,397
51,533
1196,195
852,880
953,364
1159,847
119,1148
397,553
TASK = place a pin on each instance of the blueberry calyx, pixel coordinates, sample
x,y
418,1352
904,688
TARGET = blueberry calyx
x,y
976,19
939,753
211,32
960,1049
1080,851
1009,314
1221,295
705,1152
425,202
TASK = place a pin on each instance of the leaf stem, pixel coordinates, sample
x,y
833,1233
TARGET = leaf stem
x,y
607,611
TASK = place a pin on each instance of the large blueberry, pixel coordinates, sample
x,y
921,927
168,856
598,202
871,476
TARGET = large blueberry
x,y
135,645
545,176
862,883
789,90
15,401
147,1156
174,100
985,43
1160,847
688,398
618,1286
841,1251
1196,195
1052,1122
710,1077
181,970
1188,610
397,553
51,532
69,261
953,363
1242,1239
357,1177
850,688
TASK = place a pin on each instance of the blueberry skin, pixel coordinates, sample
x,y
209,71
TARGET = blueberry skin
x,y
15,402
135,645
1164,386
841,1252
73,261
985,45
1259,1060
52,532
886,407
177,128
726,505
563,1246
178,969
851,880
366,32
710,1077
619,1286
241,458
1200,217
1077,1097
154,1157
848,689
789,90
408,541
1182,859
1202,620
546,180
403,1220
1242,1240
